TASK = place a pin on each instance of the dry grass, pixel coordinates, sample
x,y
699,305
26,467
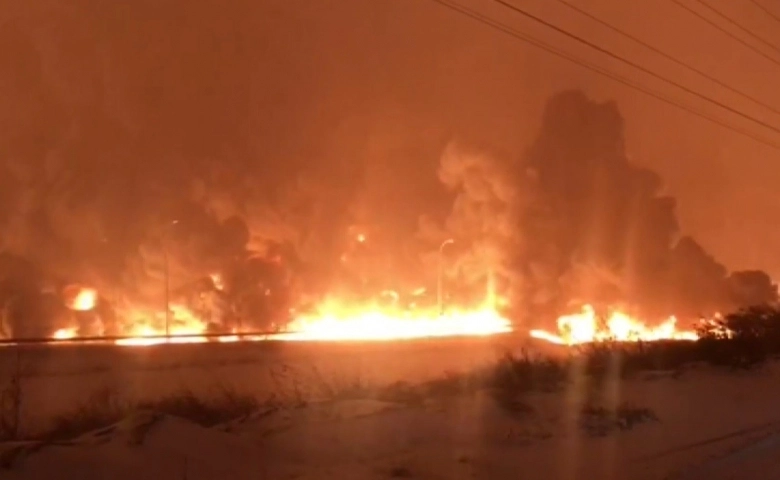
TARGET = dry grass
x,y
106,407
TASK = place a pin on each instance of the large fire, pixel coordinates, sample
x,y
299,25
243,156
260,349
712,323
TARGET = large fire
x,y
588,327
335,320
383,319
332,320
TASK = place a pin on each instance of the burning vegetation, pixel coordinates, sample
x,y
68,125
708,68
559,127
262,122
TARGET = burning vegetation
x,y
588,327
572,231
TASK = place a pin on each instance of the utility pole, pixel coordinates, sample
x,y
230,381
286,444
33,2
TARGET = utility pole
x,y
439,281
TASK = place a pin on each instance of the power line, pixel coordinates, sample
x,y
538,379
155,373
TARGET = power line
x,y
733,22
764,8
730,34
635,65
667,56
595,68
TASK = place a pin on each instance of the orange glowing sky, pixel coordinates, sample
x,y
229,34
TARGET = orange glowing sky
x,y
389,91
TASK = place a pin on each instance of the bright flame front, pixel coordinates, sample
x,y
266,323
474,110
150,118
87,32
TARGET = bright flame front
x,y
587,327
331,320
148,328
338,321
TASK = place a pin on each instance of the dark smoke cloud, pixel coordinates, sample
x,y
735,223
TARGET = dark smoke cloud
x,y
118,121
598,229
481,224
265,127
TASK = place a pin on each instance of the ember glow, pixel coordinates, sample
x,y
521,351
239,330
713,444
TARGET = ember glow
x,y
587,327
64,334
81,299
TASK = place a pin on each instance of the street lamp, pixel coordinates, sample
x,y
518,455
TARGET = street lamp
x,y
167,275
439,303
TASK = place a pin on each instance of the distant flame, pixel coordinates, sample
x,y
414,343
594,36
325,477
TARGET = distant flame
x,y
586,327
217,280
148,327
389,315
65,333
82,299
338,320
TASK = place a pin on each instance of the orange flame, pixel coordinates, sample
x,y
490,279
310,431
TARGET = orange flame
x,y
335,320
64,333
585,327
148,327
82,299
383,319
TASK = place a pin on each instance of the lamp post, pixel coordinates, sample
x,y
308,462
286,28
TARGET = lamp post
x,y
439,282
167,274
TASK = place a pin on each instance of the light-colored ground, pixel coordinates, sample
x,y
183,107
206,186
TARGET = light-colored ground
x,y
711,425
57,378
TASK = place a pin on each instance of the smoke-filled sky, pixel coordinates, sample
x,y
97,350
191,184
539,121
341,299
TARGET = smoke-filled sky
x,y
113,114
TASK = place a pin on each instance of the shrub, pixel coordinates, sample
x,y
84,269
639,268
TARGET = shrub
x,y
742,339
618,360
527,372
106,407
209,410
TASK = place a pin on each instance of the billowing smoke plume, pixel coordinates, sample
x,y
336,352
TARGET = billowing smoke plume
x,y
599,229
476,238
575,222
123,160
139,164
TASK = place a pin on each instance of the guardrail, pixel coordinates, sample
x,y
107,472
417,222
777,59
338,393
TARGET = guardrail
x,y
116,339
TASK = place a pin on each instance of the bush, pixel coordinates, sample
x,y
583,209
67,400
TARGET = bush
x,y
742,339
102,408
207,411
618,360
106,407
527,372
